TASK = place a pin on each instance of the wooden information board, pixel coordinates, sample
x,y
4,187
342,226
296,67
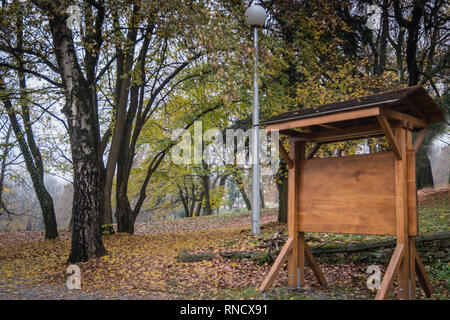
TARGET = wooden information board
x,y
360,194
354,194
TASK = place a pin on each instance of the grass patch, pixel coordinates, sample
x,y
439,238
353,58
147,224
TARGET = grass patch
x,y
434,214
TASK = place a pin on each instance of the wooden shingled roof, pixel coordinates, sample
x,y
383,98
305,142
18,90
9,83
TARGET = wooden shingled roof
x,y
413,101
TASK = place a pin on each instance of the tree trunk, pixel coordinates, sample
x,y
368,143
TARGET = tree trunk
x,y
413,27
125,217
123,81
86,237
105,217
207,211
45,200
199,206
123,209
411,60
248,205
193,200
82,119
4,159
381,65
184,202
238,180
261,196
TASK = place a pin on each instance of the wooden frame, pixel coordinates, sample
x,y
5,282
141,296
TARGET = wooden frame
x,y
396,204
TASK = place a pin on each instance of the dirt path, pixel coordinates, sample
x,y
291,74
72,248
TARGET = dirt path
x,y
23,290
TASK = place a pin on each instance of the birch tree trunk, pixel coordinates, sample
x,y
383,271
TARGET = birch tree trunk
x,y
82,119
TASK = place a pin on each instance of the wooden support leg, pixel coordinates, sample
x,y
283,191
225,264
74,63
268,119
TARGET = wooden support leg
x,y
402,210
391,271
305,253
403,278
276,267
286,251
293,264
297,153
290,249
315,266
301,259
421,273
412,273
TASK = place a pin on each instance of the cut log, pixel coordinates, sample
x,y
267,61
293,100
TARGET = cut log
x,y
189,257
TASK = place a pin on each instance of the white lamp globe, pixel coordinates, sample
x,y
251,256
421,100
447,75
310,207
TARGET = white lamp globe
x,y
255,15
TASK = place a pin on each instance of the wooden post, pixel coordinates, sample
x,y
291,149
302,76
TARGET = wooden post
x,y
412,210
405,263
402,213
297,152
301,258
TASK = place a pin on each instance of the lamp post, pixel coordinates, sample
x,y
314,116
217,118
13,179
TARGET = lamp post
x,y
255,16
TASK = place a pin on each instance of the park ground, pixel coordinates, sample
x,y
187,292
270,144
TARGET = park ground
x,y
147,265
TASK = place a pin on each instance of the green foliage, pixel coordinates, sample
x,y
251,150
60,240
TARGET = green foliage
x,y
440,272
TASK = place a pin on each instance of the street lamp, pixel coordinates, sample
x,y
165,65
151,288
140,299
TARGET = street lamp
x,y
255,16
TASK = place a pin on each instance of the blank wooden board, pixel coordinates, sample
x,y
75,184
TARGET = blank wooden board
x,y
354,194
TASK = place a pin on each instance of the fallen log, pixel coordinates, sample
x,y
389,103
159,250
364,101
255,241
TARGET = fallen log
x,y
194,257
275,247
252,255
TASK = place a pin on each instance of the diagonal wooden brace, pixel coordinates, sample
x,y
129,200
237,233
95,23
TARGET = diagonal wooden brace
x,y
390,136
315,266
419,139
421,273
305,252
391,271
284,254
276,267
285,156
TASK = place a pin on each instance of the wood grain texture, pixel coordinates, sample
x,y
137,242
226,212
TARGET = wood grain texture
x,y
354,194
